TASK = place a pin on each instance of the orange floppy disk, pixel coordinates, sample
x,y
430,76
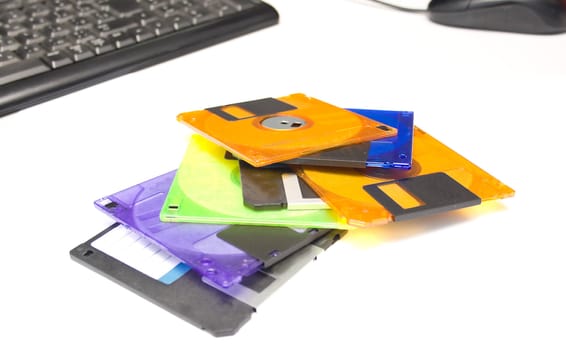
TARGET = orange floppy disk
x,y
271,130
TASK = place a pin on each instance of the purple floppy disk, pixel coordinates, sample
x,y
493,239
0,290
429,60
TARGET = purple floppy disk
x,y
221,253
197,245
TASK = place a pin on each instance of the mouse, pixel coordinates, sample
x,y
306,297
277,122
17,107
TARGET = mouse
x,y
517,16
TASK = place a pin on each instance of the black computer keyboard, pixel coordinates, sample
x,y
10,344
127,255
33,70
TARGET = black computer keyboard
x,y
49,48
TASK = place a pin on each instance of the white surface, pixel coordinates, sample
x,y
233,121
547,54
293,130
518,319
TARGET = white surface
x,y
478,279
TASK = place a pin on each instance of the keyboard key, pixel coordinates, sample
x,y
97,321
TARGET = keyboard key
x,y
8,44
80,23
13,16
55,44
38,10
181,22
13,30
115,26
101,45
62,16
162,27
168,11
239,4
79,52
122,40
154,4
30,38
37,23
56,59
63,5
124,7
30,51
202,15
56,31
145,18
31,2
141,34
85,10
10,5
103,17
82,36
21,70
7,58
220,9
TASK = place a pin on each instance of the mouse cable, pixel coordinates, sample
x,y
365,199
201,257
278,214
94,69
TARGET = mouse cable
x,y
401,8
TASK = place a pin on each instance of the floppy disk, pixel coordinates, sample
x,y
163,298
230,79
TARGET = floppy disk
x,y
222,253
276,186
185,295
128,259
439,180
272,130
389,152
207,189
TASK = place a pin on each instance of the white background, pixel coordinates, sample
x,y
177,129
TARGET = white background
x,y
490,277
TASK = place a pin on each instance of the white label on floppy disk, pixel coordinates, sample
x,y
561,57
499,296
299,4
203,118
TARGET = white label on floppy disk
x,y
136,251
294,195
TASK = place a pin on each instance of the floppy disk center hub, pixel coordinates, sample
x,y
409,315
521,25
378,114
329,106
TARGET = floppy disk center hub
x,y
283,122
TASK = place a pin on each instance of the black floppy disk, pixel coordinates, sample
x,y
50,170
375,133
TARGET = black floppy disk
x,y
129,259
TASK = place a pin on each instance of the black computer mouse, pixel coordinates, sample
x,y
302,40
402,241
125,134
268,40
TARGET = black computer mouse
x,y
519,16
